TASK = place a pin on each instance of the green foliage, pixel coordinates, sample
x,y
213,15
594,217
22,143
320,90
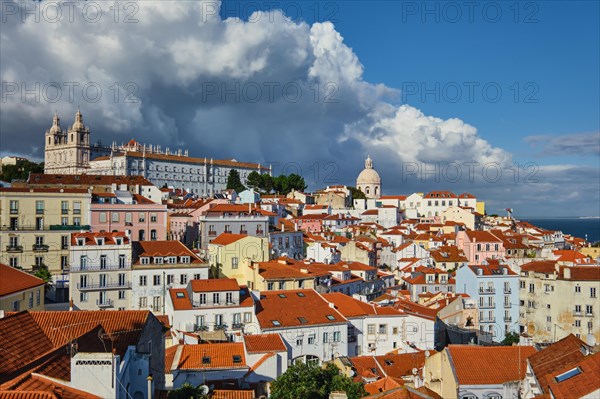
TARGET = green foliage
x,y
234,182
186,391
281,184
43,273
511,338
356,193
253,181
20,171
313,382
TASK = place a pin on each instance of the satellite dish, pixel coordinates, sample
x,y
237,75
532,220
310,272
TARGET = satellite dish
x,y
415,371
591,340
427,354
204,389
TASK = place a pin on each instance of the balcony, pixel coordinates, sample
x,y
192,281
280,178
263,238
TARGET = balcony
x,y
237,326
507,290
200,327
212,233
14,248
69,227
243,231
487,306
508,305
95,268
40,247
14,211
508,319
487,291
107,303
578,314
260,232
109,286
220,327
488,320
39,211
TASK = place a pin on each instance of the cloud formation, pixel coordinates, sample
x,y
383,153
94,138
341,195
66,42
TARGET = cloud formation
x,y
268,89
569,144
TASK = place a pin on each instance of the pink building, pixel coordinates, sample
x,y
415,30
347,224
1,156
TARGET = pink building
x,y
311,223
479,246
140,218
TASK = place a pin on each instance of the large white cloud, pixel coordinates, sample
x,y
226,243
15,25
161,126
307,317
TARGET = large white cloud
x,y
265,89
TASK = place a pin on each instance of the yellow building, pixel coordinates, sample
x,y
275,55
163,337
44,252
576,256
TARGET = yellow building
x,y
19,290
36,225
228,251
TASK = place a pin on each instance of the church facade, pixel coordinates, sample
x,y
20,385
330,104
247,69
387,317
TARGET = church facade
x,y
70,152
368,181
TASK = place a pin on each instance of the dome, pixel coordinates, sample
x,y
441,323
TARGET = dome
x,y
78,125
55,125
368,174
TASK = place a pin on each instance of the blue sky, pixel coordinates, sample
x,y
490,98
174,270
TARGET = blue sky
x,y
382,57
550,49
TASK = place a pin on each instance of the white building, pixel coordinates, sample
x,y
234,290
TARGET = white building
x,y
214,309
313,330
158,266
100,271
368,181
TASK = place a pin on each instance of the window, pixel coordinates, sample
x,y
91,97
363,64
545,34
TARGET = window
x,y
102,261
143,302
38,297
270,286
216,298
83,297
145,260
156,279
143,281
76,221
276,323
234,262
202,299
531,287
299,340
247,317
14,207
311,339
141,217
121,261
153,235
64,221
64,208
30,300
218,320
102,279
77,207
121,294
39,223
13,261
577,289
39,207
282,285
229,297
371,329
183,279
383,329
337,336
153,218
128,218
589,310
170,279
592,292
156,303
325,337
577,323
64,242
577,308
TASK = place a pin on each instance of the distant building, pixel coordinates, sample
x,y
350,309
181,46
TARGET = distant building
x,y
368,181
71,152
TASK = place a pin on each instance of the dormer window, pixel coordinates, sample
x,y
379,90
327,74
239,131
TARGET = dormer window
x,y
237,359
119,241
185,259
158,260
81,241
206,360
172,259
145,260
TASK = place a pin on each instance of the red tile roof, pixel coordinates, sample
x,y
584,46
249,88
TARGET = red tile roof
x,y
216,284
481,236
295,308
227,238
264,343
42,386
211,356
350,307
109,238
486,365
83,179
231,394
163,248
580,273
578,386
542,266
13,280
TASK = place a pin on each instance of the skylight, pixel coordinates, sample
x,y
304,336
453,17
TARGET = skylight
x,y
569,374
237,359
206,360
300,294
276,322
330,317
282,296
302,320
180,295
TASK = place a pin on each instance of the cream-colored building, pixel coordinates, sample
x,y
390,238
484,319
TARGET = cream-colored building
x,y
36,225
19,290
556,301
227,251
67,151
368,181
459,215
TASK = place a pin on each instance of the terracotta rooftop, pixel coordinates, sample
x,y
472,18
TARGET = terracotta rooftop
x,y
228,355
109,238
231,394
214,285
481,236
350,307
487,365
163,248
264,343
586,382
227,238
14,280
295,308
83,179
541,266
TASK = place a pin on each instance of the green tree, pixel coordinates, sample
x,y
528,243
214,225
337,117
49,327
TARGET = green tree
x,y
511,338
43,273
356,193
20,171
296,182
234,182
267,183
186,391
253,181
311,381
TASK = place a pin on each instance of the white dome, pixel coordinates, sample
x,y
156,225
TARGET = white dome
x,y
368,176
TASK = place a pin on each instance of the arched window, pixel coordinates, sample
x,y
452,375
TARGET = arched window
x,y
367,190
